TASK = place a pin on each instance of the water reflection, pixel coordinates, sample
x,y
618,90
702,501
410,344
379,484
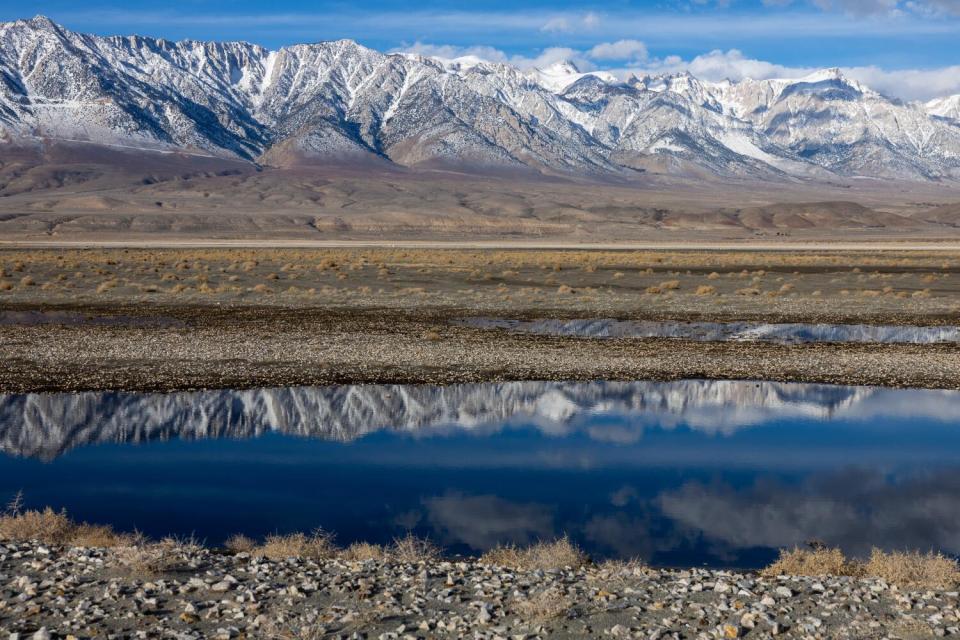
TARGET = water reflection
x,y
46,425
679,473
783,333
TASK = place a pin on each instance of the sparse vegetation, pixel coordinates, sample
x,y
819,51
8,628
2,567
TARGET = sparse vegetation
x,y
905,569
318,545
413,550
541,555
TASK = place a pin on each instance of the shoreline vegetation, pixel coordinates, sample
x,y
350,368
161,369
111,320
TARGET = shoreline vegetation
x,y
145,557
65,579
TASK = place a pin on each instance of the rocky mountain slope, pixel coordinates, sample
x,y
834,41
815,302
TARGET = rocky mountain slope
x,y
339,100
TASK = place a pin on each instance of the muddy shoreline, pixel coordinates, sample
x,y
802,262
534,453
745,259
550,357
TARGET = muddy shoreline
x,y
177,347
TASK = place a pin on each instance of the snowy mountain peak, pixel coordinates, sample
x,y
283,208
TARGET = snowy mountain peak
x,y
337,99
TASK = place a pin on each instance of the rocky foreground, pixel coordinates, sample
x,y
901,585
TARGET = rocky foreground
x,y
193,592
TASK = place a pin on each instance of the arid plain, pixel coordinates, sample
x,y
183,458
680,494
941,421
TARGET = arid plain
x,y
227,317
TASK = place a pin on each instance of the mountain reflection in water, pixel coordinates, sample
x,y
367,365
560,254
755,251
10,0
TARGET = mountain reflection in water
x,y
686,472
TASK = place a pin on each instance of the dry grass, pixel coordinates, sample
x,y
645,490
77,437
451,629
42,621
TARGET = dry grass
x,y
558,554
413,550
361,551
54,528
545,605
706,290
239,543
317,546
818,561
146,560
902,568
913,569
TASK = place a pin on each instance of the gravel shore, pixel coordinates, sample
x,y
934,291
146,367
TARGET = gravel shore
x,y
177,348
59,592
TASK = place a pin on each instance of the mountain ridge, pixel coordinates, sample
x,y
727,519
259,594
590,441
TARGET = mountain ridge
x,y
337,100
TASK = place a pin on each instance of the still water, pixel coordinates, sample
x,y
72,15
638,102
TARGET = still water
x,y
781,333
691,472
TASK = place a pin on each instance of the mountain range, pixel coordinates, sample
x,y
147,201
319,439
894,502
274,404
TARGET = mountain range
x,y
47,425
340,102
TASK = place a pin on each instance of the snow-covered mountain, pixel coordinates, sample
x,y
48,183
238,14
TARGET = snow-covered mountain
x,y
47,425
339,100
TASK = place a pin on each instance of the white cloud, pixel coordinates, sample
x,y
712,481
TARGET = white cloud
x,y
449,51
905,84
627,49
591,20
545,58
556,25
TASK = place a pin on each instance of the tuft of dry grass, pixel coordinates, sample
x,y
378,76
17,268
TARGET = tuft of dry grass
x,y
913,569
670,285
5,285
147,560
27,281
53,527
545,605
361,551
239,543
542,555
431,335
706,290
317,546
902,568
413,550
818,561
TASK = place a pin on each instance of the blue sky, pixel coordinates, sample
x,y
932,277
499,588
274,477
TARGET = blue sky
x,y
910,47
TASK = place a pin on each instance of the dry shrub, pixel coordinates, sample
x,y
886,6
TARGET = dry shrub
x,y
819,561
262,288
27,281
706,290
54,527
922,294
317,546
542,555
147,560
564,289
748,291
670,285
914,569
870,293
713,275
431,336
5,286
239,543
361,551
654,289
786,287
412,550
545,605
617,275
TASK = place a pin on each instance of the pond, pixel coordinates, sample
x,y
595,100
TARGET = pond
x,y
783,333
693,472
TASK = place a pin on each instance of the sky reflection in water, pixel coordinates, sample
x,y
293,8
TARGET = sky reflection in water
x,y
680,473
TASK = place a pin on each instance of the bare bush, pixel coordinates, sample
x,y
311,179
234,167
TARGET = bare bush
x,y
412,550
914,569
542,555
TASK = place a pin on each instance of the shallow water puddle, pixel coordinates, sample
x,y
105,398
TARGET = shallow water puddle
x,y
692,472
786,333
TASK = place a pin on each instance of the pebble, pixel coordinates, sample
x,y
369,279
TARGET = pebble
x,y
90,592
